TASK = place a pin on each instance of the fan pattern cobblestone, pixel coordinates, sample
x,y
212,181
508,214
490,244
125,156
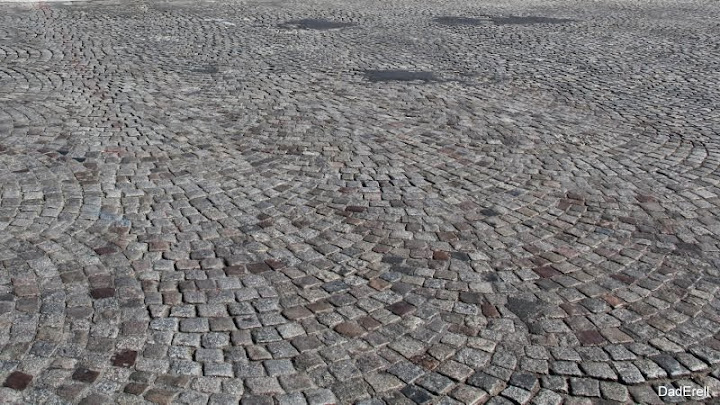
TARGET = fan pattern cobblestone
x,y
318,202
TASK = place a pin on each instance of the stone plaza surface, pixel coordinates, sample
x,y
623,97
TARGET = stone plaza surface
x,y
291,202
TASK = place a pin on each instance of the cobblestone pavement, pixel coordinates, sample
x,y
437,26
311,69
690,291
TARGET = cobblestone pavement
x,y
359,202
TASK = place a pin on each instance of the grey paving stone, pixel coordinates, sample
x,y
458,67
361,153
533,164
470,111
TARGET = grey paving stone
x,y
264,386
525,381
417,394
628,373
435,383
490,384
670,365
585,387
614,391
406,371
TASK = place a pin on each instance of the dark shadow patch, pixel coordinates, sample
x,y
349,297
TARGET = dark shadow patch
x,y
210,69
714,280
460,21
318,24
604,231
524,309
404,270
489,212
391,259
398,76
460,256
530,20
687,249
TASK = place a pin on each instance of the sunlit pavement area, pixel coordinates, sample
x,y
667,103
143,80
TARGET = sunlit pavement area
x,y
372,202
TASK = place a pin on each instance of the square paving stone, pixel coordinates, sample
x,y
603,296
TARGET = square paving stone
x,y
194,325
125,358
383,382
401,308
320,396
257,400
296,382
406,371
628,373
350,391
488,383
469,395
264,386
435,383
614,391
94,399
296,313
18,380
547,397
425,361
265,335
584,387
350,329
85,375
517,394
279,367
669,364
105,292
135,388
344,370
417,394
70,391
218,369
525,381
590,337
159,396
472,357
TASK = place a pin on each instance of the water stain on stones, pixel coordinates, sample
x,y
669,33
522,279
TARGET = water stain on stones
x,y
315,24
399,76
529,20
460,21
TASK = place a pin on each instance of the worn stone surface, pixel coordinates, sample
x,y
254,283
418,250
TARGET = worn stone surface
x,y
361,202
